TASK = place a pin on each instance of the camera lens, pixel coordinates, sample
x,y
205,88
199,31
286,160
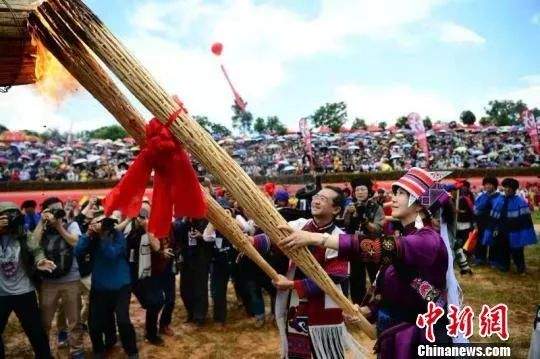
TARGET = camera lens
x,y
59,213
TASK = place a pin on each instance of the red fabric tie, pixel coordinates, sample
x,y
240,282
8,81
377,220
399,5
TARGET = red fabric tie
x,y
176,187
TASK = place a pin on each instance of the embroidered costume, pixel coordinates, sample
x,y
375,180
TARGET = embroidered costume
x,y
414,272
310,323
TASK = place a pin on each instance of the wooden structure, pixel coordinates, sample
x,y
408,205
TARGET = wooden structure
x,y
17,52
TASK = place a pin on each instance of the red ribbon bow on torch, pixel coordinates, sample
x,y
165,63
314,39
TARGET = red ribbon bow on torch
x,y
176,187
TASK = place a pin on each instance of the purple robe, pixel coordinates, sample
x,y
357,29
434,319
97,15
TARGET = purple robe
x,y
419,253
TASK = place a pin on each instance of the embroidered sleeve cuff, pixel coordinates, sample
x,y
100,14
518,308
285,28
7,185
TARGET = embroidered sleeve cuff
x,y
379,250
306,288
261,242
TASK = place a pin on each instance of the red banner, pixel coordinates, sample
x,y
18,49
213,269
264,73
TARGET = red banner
x,y
532,129
415,122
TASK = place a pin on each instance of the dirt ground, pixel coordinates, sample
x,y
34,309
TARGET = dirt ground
x,y
240,338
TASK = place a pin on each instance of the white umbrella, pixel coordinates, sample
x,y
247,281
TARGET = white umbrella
x,y
482,157
93,158
80,161
333,147
476,152
460,149
353,147
289,169
273,146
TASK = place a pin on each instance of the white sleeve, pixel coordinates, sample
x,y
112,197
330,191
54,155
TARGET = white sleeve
x,y
74,229
209,234
298,223
244,225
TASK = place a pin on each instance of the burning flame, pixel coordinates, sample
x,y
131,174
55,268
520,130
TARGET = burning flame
x,y
53,81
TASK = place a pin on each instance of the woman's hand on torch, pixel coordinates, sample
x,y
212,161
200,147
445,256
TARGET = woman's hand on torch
x,y
298,238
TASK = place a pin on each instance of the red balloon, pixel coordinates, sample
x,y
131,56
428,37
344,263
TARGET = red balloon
x,y
217,48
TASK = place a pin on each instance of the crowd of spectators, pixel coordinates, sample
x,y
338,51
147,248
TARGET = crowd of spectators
x,y
270,156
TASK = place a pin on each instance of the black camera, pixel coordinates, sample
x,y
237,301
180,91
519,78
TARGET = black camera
x,y
15,219
58,213
361,210
108,224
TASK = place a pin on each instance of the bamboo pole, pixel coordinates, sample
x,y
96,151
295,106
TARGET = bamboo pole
x,y
137,79
77,59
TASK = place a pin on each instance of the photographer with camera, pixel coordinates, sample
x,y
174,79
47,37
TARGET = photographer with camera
x,y
145,258
363,217
57,238
19,258
110,291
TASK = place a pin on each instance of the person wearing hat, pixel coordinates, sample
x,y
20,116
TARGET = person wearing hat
x,y
482,209
110,291
510,228
364,216
415,265
19,258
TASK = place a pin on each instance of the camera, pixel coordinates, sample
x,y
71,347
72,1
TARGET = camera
x,y
108,224
15,219
361,210
58,213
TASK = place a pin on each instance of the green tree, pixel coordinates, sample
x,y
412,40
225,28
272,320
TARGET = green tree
x,y
402,122
359,124
211,127
219,130
52,134
536,112
332,115
485,121
274,125
467,118
428,125
3,128
383,125
113,132
505,112
242,120
30,133
203,121
259,126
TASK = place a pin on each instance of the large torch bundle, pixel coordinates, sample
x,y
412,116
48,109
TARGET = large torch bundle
x,y
68,27
77,59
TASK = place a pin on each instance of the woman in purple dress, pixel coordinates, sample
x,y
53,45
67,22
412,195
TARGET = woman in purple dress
x,y
415,267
